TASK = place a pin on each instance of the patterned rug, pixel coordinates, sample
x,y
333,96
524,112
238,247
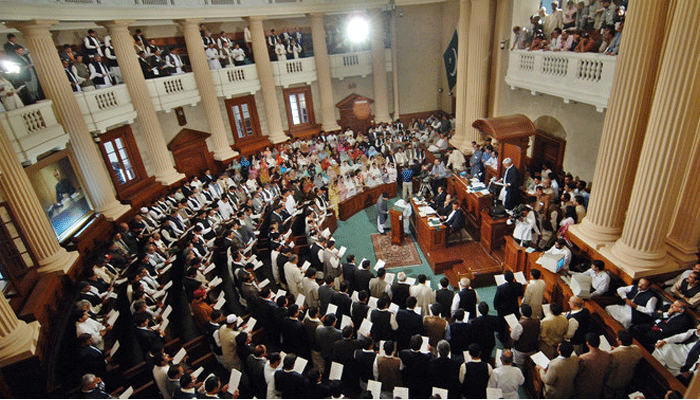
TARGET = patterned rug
x,y
395,255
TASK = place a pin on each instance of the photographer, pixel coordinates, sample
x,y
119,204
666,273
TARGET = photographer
x,y
526,230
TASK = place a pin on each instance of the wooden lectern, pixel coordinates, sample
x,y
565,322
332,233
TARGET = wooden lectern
x,y
396,226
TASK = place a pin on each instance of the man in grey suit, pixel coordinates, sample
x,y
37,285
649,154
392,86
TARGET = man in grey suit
x,y
326,335
382,212
561,373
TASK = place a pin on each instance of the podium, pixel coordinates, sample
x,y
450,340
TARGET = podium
x,y
396,226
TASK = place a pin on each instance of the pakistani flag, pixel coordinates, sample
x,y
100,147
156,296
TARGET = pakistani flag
x,y
450,58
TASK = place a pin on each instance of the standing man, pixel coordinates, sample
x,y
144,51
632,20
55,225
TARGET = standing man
x,y
406,181
561,373
534,293
476,166
507,377
511,182
382,212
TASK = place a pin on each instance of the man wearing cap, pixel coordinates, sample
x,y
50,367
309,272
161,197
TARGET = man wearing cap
x,y
227,338
511,182
200,309
382,212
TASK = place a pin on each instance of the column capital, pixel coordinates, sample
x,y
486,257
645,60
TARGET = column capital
x,y
256,18
189,21
116,23
316,15
34,26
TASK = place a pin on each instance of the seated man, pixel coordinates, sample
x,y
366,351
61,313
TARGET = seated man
x,y
672,322
675,352
560,248
455,219
600,279
688,289
640,304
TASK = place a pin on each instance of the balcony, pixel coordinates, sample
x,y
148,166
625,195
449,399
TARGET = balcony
x,y
229,82
582,77
173,91
105,108
355,64
290,72
34,130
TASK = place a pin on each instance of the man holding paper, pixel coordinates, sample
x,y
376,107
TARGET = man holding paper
x,y
507,377
291,384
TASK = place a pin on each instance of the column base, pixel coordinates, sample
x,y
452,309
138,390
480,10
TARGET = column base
x,y
594,235
225,154
60,263
686,257
382,119
637,264
330,127
462,145
113,210
278,138
170,177
20,344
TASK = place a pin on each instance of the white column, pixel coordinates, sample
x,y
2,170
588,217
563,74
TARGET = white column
x,y
323,73
57,88
459,139
501,32
381,101
395,65
18,339
267,81
479,49
127,59
41,237
673,122
625,124
205,85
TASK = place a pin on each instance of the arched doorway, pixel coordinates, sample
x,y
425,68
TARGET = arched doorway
x,y
549,144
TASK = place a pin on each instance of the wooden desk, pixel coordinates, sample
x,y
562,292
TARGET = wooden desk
x,y
493,231
472,203
432,242
396,226
360,201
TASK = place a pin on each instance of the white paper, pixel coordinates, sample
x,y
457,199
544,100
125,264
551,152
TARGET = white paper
x,y
440,392
512,320
164,325
114,349
365,327
219,303
167,311
234,380
281,293
215,282
250,324
355,297
393,307
342,251
257,264
263,283
374,387
604,344
540,359
389,278
410,281
345,321
466,317
418,310
326,232
305,266
167,286
520,277
500,279
112,318
499,353
209,269
332,309
336,371
425,344
127,393
300,300
165,269
400,392
120,281
300,364
197,372
494,393
380,264
372,303
636,394
179,356
546,309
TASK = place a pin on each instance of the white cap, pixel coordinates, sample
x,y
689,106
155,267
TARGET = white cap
x,y
144,210
231,319
401,276
507,161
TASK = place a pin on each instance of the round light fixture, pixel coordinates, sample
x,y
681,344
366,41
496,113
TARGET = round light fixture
x,y
357,29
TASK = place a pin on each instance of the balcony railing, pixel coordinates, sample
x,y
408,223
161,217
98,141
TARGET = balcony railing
x,y
290,72
229,82
104,108
355,64
582,77
173,91
34,130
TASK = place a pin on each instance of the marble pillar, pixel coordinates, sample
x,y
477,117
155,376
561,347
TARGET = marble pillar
x,y
478,62
459,139
56,87
18,339
323,73
205,85
149,125
379,81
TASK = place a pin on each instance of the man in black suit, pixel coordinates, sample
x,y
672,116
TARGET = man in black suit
x,y
400,290
326,336
291,384
443,371
483,329
454,221
255,366
325,294
439,198
363,276
676,321
91,359
343,352
266,314
148,339
410,323
187,387
506,299
511,183
416,369
359,309
294,339
444,297
342,300
349,269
